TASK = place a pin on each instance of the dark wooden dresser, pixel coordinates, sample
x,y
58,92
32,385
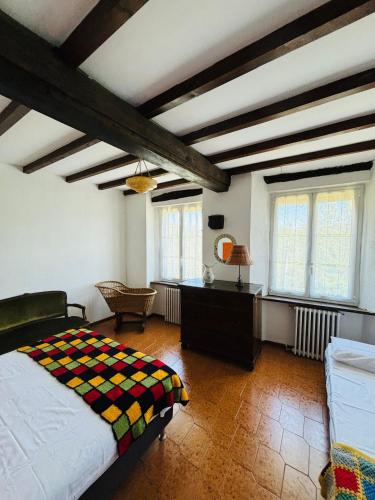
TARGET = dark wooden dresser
x,y
222,319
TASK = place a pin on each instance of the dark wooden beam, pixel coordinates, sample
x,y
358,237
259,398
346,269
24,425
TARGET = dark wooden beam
x,y
351,125
11,115
102,168
304,157
32,73
295,176
321,21
99,25
163,185
121,182
176,195
315,97
60,154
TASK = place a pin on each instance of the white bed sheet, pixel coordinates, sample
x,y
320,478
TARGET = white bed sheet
x,y
351,398
52,445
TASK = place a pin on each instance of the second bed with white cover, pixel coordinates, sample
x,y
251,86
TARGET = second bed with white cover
x,y
351,397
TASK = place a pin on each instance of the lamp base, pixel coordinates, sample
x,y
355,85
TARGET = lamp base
x,y
239,282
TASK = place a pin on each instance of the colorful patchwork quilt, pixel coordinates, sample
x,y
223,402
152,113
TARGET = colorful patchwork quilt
x,y
124,386
349,475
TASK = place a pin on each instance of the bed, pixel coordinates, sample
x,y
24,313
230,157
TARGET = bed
x,y
351,398
53,445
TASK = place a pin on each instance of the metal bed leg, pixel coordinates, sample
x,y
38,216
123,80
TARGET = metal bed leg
x,y
162,435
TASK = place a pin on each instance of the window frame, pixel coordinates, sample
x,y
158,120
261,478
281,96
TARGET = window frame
x,y
181,235
312,193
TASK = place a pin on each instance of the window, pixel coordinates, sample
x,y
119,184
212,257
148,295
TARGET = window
x,y
181,241
315,244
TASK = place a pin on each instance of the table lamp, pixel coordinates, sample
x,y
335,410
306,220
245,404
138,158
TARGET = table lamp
x,y
239,257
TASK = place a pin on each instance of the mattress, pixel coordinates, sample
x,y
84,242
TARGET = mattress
x,y
53,446
351,398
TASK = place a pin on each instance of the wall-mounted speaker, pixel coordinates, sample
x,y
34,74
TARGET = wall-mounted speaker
x,y
216,221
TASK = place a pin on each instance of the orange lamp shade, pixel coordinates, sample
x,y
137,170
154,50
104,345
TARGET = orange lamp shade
x,y
240,256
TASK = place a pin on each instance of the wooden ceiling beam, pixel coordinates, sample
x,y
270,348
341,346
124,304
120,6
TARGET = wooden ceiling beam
x,y
157,172
102,168
32,73
176,195
99,25
296,176
321,21
350,125
61,153
338,89
163,185
11,115
304,157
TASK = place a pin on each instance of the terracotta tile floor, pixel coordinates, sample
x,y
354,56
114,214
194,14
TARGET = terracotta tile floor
x,y
244,435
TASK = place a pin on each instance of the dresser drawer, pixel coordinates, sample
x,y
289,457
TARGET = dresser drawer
x,y
215,299
229,321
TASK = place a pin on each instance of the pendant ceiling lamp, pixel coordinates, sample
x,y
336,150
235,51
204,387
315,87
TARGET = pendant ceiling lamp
x,y
139,182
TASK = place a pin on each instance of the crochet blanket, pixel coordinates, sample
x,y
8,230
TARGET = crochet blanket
x,y
123,386
349,475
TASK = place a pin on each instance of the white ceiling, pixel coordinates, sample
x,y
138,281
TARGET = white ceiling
x,y
146,57
51,19
340,54
3,102
167,41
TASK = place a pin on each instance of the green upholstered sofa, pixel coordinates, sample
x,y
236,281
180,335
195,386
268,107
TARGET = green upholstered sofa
x,y
33,316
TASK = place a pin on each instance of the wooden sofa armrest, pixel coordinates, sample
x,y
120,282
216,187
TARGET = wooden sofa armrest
x,y
79,306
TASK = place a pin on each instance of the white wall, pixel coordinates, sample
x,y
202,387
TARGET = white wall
x,y
278,324
59,236
235,205
259,231
368,261
159,303
140,236
368,248
136,240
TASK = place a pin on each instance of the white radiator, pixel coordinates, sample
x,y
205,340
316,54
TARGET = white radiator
x,y
173,306
313,331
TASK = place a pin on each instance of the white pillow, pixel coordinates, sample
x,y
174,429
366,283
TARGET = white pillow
x,y
363,361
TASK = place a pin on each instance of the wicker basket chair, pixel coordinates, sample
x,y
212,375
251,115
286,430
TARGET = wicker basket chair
x,y
122,299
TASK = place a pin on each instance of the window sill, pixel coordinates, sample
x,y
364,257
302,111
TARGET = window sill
x,y
169,283
317,305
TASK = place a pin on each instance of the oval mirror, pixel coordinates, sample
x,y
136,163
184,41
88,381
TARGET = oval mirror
x,y
223,247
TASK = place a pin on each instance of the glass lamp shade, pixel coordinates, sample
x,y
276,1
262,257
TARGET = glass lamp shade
x,y
141,183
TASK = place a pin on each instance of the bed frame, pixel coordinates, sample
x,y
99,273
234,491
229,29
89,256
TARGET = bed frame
x,y
106,486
